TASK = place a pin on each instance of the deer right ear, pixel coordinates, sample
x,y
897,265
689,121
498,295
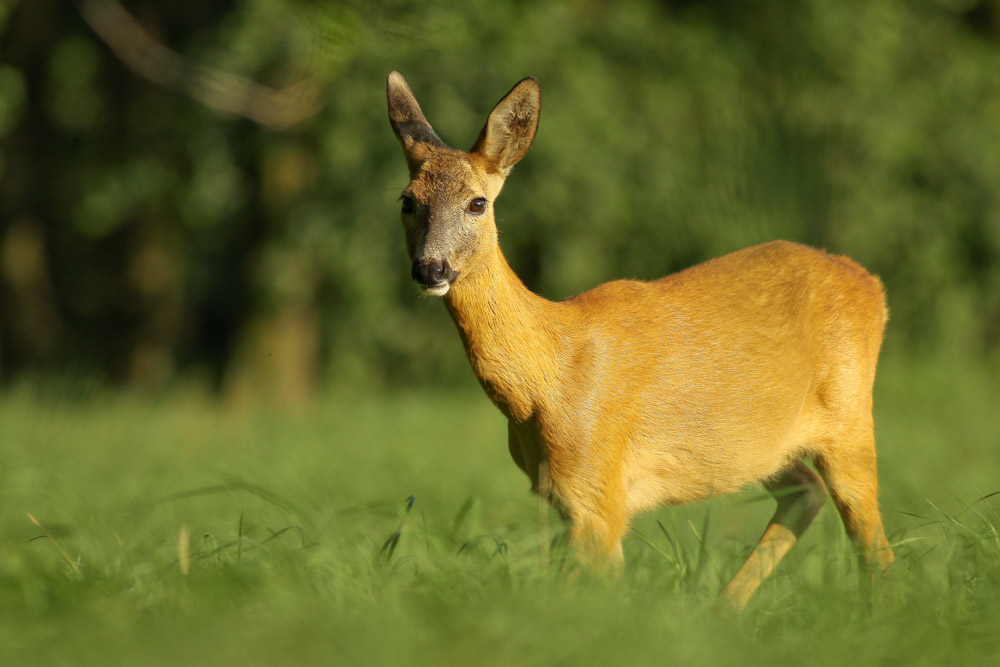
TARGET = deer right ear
x,y
511,127
408,122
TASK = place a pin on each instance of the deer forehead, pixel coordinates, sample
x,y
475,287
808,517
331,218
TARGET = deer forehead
x,y
452,179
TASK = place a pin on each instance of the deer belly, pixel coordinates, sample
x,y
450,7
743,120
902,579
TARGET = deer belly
x,y
703,465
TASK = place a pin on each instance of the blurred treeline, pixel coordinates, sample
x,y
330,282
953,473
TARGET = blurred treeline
x,y
164,220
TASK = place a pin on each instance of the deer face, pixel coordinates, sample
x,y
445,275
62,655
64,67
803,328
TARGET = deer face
x,y
447,212
447,208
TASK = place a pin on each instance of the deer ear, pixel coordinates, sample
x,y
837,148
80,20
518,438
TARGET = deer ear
x,y
408,122
511,127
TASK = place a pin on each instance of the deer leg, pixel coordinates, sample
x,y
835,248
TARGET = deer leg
x,y
852,477
800,493
597,548
544,493
596,536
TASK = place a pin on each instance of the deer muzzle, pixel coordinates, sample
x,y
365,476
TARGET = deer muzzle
x,y
434,276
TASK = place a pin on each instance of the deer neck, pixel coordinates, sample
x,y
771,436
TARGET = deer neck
x,y
511,336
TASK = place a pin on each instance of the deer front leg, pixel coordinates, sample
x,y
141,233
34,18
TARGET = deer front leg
x,y
544,498
596,532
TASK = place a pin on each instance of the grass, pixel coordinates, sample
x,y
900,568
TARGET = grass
x,y
393,529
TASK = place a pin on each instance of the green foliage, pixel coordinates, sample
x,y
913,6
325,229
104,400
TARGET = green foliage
x,y
338,535
671,132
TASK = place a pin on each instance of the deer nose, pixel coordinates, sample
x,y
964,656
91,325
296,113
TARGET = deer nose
x,y
431,272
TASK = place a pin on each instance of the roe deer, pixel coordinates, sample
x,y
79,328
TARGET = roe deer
x,y
635,394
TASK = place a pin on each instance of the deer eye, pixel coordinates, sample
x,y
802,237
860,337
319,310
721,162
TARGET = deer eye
x,y
477,205
408,206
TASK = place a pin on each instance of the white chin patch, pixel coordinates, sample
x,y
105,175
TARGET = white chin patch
x,y
437,290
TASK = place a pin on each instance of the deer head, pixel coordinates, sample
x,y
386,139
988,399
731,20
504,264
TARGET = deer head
x,y
447,208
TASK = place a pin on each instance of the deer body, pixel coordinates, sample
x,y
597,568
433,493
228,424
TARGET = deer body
x,y
635,394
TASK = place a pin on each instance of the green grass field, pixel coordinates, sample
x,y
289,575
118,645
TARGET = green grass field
x,y
393,529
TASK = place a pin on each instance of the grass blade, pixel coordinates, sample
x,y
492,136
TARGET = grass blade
x,y
56,544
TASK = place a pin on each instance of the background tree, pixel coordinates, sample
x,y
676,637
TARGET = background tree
x,y
217,203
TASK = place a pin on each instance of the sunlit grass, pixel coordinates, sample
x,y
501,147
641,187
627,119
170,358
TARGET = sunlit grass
x,y
393,528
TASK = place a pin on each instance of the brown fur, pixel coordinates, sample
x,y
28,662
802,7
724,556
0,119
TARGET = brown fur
x,y
635,394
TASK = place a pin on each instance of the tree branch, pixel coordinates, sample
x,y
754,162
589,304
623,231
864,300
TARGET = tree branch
x,y
217,89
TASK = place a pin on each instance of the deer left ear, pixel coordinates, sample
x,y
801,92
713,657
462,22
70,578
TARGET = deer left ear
x,y
511,127
408,122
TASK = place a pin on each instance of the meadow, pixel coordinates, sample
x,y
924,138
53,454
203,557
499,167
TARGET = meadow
x,y
391,528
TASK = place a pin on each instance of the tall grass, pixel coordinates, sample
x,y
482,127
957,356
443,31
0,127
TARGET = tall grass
x,y
370,529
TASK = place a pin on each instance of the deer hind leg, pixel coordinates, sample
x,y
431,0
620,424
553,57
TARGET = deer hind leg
x,y
800,493
852,476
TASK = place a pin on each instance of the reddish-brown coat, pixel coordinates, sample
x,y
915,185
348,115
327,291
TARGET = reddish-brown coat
x,y
635,394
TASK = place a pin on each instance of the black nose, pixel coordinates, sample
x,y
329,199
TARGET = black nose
x,y
431,272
